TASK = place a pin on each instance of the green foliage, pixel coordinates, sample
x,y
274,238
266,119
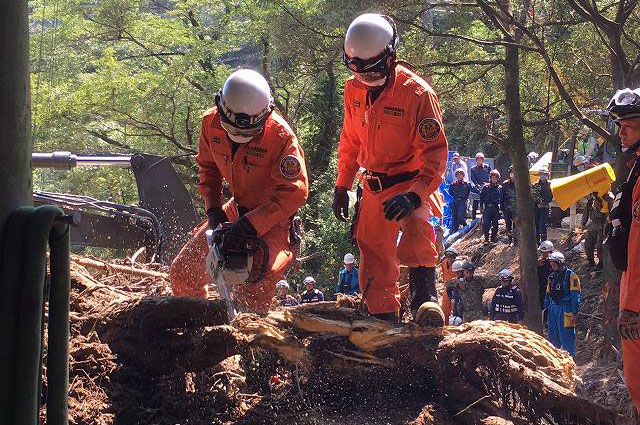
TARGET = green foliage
x,y
136,75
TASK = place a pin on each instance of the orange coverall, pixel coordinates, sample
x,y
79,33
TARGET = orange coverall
x,y
400,132
630,298
447,275
267,176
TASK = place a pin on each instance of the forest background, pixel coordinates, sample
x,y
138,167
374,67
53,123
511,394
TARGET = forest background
x,y
129,76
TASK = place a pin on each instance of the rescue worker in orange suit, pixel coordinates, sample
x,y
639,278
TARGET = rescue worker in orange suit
x,y
624,235
450,255
392,128
252,148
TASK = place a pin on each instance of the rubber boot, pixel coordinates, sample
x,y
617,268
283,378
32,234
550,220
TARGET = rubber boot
x,y
424,298
422,286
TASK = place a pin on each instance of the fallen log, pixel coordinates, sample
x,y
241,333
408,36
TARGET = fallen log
x,y
481,372
118,268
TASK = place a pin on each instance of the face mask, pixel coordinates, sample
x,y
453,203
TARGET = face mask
x,y
543,178
240,139
580,167
371,79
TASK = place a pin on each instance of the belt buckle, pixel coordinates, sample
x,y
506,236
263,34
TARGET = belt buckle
x,y
375,179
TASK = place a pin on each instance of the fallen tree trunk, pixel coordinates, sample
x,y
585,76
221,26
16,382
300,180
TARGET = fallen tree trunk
x,y
476,371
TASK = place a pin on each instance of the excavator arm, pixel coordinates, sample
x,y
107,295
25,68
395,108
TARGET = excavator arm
x,y
161,222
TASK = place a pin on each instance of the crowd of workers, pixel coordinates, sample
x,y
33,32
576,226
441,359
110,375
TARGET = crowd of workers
x,y
393,129
494,198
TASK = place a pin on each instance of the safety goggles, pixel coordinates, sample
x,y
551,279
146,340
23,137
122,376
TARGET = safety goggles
x,y
376,64
240,121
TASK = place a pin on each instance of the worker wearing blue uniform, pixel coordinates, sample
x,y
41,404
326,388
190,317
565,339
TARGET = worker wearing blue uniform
x,y
479,176
490,197
459,191
562,302
507,303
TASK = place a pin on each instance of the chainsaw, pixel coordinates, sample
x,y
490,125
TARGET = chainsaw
x,y
230,261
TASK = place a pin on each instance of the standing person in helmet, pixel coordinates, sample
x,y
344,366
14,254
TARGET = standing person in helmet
x,y
541,194
311,294
581,163
393,128
348,277
459,191
283,298
252,148
471,289
479,177
508,205
544,269
450,255
490,196
624,241
507,303
454,289
562,302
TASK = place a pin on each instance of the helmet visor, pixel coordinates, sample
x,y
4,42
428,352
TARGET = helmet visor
x,y
625,104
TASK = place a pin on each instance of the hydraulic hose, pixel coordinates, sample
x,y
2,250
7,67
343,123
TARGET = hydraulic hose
x,y
24,266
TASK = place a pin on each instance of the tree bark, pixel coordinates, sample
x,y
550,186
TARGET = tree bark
x,y
15,108
525,205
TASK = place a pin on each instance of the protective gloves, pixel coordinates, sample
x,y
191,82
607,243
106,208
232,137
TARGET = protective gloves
x,y
215,216
401,205
243,227
341,203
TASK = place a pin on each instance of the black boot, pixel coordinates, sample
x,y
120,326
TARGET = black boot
x,y
422,285
486,237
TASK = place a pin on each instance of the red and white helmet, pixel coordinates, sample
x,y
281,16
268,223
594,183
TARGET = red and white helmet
x,y
244,103
370,40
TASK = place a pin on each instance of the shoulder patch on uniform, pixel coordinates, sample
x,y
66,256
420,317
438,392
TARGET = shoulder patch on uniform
x,y
429,129
290,167
216,140
356,103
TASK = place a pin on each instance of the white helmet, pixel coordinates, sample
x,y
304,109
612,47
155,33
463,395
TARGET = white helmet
x,y
479,155
370,40
556,257
244,102
309,279
457,266
282,284
455,321
579,160
505,274
546,246
349,258
533,156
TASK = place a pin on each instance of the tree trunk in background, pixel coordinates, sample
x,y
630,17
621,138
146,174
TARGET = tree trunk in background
x,y
518,153
326,140
15,108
